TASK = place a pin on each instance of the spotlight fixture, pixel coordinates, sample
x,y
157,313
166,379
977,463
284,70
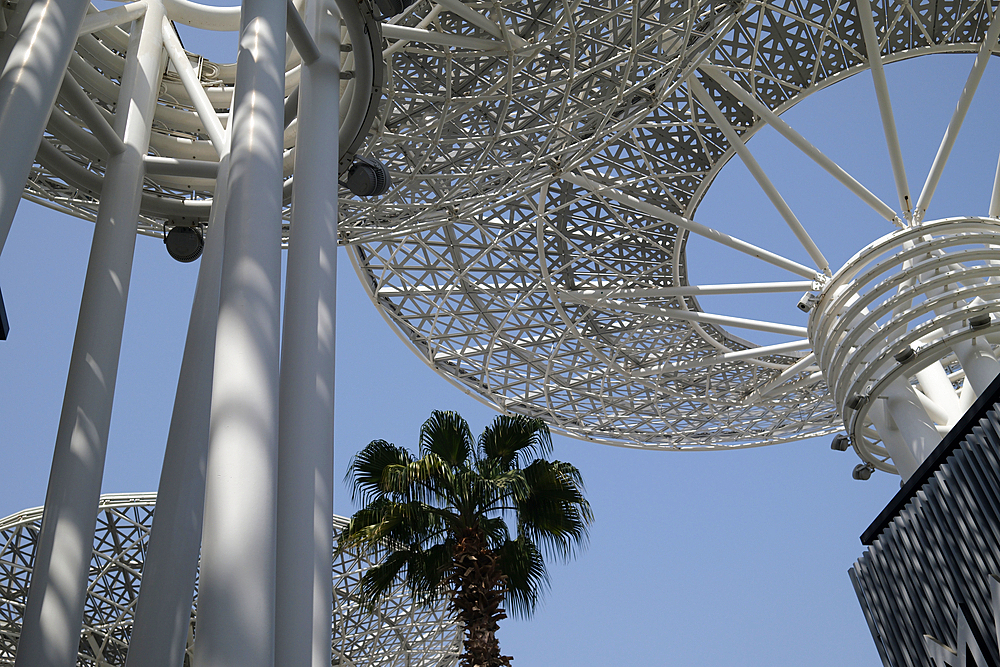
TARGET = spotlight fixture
x,y
4,325
840,443
980,321
184,243
862,471
856,401
368,177
905,355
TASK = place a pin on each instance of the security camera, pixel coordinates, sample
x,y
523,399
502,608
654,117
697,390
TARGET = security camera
x,y
368,177
184,243
807,302
840,443
862,471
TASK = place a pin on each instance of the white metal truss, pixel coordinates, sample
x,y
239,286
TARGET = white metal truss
x,y
543,152
573,166
398,633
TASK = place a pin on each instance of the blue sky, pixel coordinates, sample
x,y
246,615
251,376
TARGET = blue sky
x,y
711,559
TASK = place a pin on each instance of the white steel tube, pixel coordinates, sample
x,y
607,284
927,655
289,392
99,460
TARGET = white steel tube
x,y
937,387
964,100
995,196
12,30
409,34
911,420
477,19
893,440
692,226
699,290
693,316
800,142
112,17
885,106
305,435
50,636
236,585
88,113
752,353
758,173
29,83
192,84
978,362
798,367
163,611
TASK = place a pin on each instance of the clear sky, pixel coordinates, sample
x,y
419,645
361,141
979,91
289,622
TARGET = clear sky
x,y
710,559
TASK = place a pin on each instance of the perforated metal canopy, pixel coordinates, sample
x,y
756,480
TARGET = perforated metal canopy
x,y
533,251
399,633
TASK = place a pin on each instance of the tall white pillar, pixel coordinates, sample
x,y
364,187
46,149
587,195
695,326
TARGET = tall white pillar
x,y
29,82
163,612
917,430
236,585
305,457
50,636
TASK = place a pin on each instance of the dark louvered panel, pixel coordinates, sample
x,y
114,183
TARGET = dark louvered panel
x,y
932,550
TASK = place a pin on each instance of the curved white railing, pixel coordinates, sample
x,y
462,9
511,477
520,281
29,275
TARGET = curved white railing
x,y
904,335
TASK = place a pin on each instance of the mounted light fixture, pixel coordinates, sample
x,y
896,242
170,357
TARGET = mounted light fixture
x,y
840,443
980,321
184,243
862,471
4,325
856,401
368,177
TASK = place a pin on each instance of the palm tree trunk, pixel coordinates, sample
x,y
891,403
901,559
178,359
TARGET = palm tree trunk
x,y
479,592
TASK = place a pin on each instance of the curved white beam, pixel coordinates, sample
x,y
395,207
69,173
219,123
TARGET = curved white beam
x,y
759,175
800,142
701,230
885,107
957,118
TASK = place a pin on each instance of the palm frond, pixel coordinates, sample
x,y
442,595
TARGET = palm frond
x,y
554,515
527,577
514,440
383,521
427,576
447,435
378,580
366,471
429,478
496,531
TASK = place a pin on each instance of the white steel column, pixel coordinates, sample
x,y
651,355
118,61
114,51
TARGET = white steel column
x,y
900,452
918,432
28,86
53,616
163,612
236,585
305,461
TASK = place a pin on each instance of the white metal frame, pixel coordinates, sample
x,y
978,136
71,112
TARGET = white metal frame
x,y
400,633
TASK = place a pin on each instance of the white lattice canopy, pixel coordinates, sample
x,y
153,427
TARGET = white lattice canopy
x,y
534,250
398,633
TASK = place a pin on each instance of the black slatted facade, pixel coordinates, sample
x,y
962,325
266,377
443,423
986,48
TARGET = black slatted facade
x,y
933,549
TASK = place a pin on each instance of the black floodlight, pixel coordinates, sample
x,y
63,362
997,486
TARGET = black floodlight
x,y
862,472
184,243
368,177
392,7
4,325
840,443
980,321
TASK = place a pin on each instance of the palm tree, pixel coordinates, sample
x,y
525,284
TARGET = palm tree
x,y
444,518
